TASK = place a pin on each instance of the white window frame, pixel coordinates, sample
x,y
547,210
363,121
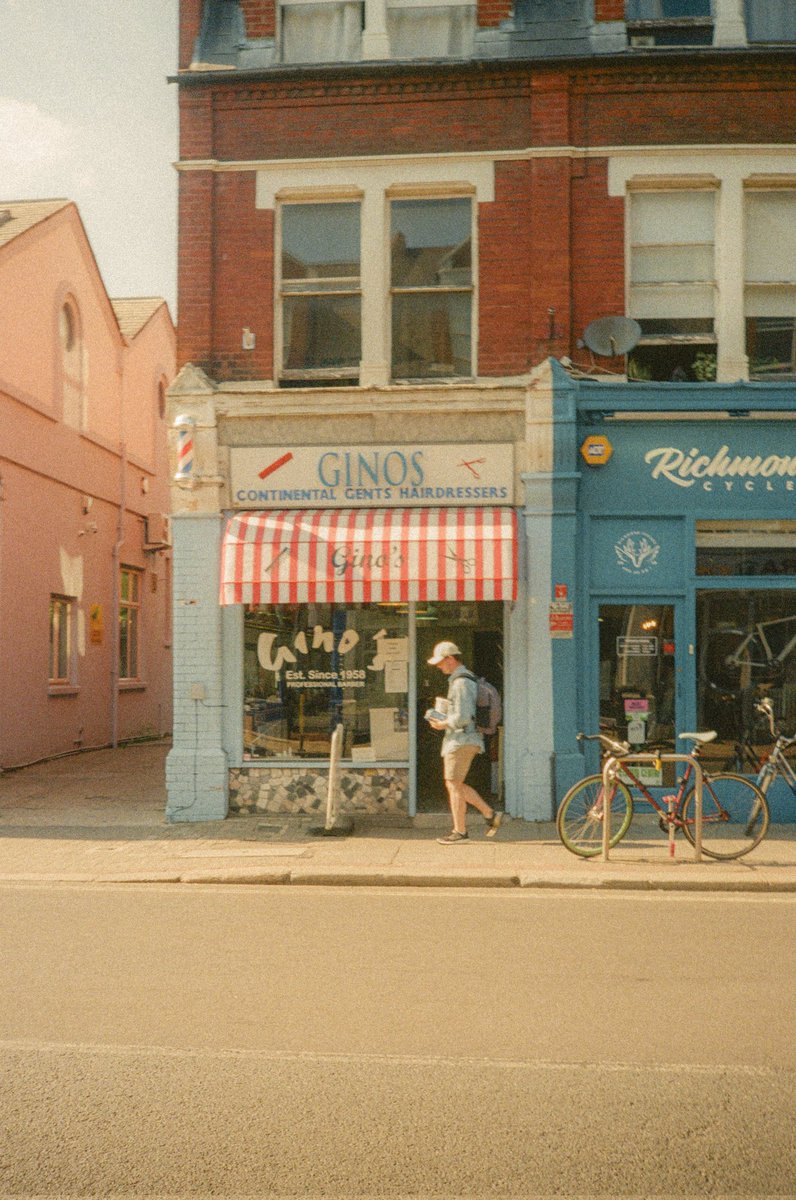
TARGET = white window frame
x,y
730,171
375,182
133,607
288,200
395,196
63,617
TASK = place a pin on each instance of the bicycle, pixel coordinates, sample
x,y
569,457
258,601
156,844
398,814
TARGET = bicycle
x,y
775,763
734,810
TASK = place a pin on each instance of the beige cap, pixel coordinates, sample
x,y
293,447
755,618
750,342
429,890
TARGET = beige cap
x,y
443,650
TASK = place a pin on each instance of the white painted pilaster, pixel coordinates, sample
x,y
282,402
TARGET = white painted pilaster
x,y
732,363
729,23
374,370
375,41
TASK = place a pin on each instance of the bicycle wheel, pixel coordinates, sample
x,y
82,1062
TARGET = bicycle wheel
x,y
734,815
580,817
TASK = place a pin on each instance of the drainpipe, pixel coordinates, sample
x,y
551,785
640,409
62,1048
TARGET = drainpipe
x,y
117,559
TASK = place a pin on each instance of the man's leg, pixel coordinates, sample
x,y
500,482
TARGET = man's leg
x,y
457,805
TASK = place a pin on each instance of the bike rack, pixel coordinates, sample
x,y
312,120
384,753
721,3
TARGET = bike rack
x,y
655,758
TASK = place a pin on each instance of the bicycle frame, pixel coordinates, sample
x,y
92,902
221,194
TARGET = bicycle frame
x,y
775,763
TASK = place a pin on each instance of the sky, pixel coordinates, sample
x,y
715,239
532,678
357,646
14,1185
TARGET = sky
x,y
86,114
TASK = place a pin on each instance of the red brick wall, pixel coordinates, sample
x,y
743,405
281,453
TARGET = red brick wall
x,y
492,12
609,10
190,22
243,280
259,17
195,267
292,120
553,238
598,252
226,275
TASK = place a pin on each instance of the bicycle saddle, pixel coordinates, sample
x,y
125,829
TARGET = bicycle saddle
x,y
702,738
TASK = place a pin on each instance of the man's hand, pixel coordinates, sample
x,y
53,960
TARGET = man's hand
x,y
438,724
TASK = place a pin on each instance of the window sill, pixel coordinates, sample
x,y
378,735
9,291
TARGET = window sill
x,y
62,689
132,685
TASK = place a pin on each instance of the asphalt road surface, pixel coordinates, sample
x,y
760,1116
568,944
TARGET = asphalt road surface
x,y
253,1042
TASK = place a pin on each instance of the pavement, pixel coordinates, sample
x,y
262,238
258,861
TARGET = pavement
x,y
98,817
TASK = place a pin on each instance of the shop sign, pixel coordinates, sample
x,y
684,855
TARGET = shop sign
x,y
96,624
637,552
562,621
636,647
729,470
372,476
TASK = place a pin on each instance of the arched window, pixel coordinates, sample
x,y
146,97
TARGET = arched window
x,y
71,364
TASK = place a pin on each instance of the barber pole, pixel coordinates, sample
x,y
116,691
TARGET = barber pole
x,y
185,438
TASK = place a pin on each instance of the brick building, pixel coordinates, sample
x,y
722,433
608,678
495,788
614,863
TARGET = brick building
x,y
390,215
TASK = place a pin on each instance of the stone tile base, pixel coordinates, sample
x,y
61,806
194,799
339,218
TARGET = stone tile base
x,y
302,790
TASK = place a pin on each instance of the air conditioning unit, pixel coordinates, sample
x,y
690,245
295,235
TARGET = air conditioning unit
x,y
157,533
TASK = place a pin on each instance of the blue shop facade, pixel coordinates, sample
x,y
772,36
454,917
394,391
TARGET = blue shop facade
x,y
673,583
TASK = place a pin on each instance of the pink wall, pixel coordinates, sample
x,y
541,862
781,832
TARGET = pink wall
x,y
48,544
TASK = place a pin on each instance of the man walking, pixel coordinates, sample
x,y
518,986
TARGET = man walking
x,y
461,743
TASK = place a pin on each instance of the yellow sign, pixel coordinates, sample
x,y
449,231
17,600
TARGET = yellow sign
x,y
596,450
96,625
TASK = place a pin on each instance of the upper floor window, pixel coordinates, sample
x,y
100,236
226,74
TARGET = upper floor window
x,y
321,30
770,20
69,333
770,283
431,28
432,288
669,22
320,292
672,284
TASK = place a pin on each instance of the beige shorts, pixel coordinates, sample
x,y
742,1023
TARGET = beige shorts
x,y
457,763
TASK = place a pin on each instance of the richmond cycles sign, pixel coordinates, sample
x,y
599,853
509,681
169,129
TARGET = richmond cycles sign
x,y
724,471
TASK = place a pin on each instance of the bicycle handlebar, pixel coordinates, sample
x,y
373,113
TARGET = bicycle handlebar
x,y
605,740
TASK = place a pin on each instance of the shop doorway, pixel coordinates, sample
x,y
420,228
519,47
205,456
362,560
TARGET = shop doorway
x,y
477,628
638,672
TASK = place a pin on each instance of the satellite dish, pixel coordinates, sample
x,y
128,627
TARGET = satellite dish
x,y
610,336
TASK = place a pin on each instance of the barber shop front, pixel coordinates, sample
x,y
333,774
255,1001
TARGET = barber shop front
x,y
311,584
687,576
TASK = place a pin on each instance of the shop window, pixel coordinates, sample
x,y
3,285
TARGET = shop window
x,y
669,22
741,548
431,28
770,20
770,284
432,288
746,649
69,332
310,667
320,293
321,30
62,662
672,284
129,623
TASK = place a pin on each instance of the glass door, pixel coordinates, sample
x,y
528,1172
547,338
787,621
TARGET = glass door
x,y
638,672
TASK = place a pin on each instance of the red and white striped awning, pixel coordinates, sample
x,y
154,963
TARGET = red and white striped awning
x,y
369,555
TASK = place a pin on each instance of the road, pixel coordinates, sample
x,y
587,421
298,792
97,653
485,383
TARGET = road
x,y
211,1040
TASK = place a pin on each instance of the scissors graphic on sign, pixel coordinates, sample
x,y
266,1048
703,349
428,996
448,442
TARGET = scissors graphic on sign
x,y
471,465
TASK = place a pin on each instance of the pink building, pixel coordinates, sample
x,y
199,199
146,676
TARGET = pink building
x,y
85,567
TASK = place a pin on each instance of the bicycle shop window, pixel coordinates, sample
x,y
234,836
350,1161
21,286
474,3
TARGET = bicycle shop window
x,y
746,635
310,667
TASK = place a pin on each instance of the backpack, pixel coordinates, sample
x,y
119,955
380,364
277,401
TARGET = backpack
x,y
488,705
